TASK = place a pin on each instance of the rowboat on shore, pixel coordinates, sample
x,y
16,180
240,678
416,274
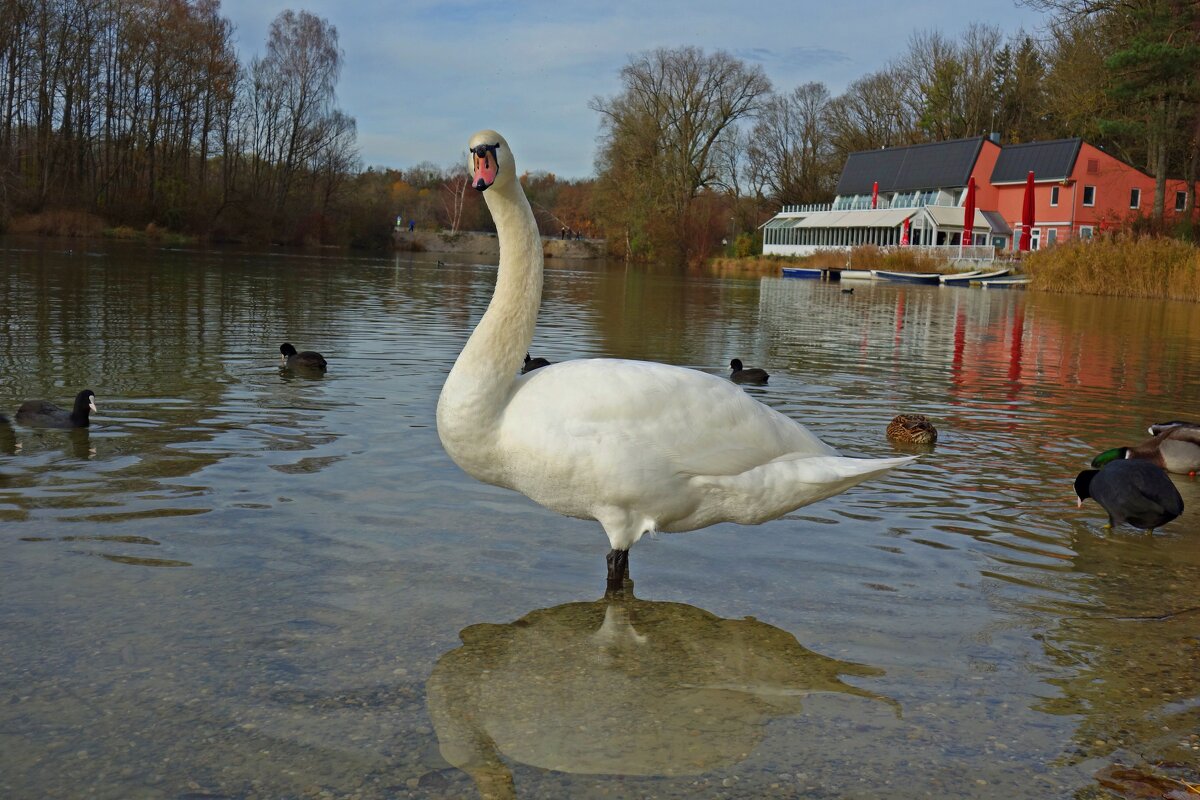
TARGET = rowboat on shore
x,y
855,274
1002,283
932,278
801,272
964,278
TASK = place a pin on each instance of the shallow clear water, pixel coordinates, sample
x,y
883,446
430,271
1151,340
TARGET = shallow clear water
x,y
242,582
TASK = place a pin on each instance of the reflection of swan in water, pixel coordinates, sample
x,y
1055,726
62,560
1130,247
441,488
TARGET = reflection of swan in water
x,y
621,686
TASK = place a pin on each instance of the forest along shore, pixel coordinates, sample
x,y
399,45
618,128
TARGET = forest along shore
x,y
475,243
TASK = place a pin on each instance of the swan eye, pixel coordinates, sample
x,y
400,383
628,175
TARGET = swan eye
x,y
483,151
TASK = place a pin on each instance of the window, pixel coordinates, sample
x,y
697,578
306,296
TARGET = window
x,y
1085,232
1051,236
1035,238
1180,200
1135,198
1053,195
1089,195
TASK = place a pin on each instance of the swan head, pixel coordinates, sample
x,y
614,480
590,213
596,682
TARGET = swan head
x,y
490,161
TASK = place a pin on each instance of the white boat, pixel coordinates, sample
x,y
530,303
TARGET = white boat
x,y
1002,283
956,277
855,274
963,278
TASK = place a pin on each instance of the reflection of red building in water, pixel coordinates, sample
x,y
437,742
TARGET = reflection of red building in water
x,y
1078,190
1025,341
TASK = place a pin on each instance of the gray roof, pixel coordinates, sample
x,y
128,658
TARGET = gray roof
x,y
934,165
1049,161
997,221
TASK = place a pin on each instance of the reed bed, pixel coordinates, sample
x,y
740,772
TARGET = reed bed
x,y
903,259
1121,266
896,259
60,222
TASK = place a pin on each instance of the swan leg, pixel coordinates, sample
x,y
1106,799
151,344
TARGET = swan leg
x,y
618,568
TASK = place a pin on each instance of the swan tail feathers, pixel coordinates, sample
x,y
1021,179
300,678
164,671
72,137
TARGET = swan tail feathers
x,y
785,484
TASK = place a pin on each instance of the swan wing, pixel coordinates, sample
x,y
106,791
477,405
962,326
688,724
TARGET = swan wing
x,y
698,423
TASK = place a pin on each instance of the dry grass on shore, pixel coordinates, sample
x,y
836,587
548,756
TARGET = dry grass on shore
x,y
60,222
1121,266
864,257
898,259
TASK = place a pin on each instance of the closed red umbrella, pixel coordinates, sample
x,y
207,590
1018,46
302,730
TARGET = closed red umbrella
x,y
1027,215
874,194
968,234
904,232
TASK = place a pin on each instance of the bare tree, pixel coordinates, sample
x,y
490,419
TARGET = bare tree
x,y
790,145
454,194
661,136
879,110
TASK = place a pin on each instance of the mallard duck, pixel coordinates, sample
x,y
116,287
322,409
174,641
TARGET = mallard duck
x,y
912,429
43,414
1176,449
1132,491
533,363
740,374
306,359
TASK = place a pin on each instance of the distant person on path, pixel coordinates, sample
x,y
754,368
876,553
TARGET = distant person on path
x,y
412,225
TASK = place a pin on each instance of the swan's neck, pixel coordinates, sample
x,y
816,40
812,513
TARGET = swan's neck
x,y
477,388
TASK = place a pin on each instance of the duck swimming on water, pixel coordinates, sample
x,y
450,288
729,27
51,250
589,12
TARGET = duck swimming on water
x,y
44,414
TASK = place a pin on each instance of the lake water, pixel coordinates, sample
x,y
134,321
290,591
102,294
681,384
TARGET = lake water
x,y
246,583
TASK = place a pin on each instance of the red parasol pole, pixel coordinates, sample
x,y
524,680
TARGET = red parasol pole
x,y
968,216
874,194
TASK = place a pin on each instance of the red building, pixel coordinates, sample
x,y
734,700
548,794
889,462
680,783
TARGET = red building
x,y
914,196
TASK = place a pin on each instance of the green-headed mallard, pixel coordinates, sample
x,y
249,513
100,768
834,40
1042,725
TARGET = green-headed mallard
x,y
1132,491
912,429
1176,449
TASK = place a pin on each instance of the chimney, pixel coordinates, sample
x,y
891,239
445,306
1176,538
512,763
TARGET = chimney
x,y
994,136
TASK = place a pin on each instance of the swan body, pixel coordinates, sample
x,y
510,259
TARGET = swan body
x,y
637,446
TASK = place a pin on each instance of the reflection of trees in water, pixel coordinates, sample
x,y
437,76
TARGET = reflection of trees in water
x,y
621,686
1130,648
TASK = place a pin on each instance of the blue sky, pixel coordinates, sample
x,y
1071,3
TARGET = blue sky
x,y
421,76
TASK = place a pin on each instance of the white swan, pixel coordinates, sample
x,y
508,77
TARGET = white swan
x,y
636,446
